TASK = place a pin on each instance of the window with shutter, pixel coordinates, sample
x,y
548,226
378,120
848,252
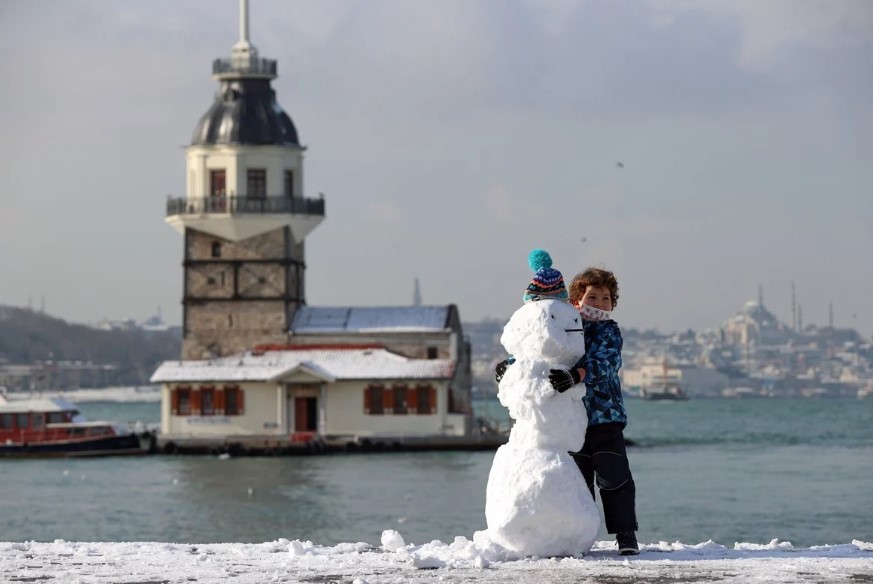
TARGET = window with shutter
x,y
401,392
207,400
423,401
233,400
183,401
377,400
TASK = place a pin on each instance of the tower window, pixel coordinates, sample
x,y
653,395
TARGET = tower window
x,y
216,249
217,183
289,183
256,183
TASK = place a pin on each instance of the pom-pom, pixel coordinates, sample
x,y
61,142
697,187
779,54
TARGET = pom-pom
x,y
539,258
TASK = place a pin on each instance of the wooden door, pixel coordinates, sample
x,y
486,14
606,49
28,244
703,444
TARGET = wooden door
x,y
305,414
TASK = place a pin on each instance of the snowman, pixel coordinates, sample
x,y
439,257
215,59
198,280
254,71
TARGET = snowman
x,y
537,502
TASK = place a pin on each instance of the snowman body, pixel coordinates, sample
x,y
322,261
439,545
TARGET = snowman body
x,y
537,502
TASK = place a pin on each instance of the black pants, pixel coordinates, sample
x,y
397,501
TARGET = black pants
x,y
603,455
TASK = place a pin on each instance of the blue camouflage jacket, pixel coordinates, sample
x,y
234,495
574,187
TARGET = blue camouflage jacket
x,y
601,361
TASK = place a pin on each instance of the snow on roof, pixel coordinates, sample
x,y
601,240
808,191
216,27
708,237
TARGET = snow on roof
x,y
330,363
15,404
327,319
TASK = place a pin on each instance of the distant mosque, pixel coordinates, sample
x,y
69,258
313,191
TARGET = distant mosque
x,y
260,369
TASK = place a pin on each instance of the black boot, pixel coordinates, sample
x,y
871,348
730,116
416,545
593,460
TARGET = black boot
x,y
627,543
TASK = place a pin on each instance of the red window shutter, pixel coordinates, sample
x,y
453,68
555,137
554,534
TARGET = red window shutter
x,y
241,399
388,403
433,404
174,401
367,400
412,400
195,402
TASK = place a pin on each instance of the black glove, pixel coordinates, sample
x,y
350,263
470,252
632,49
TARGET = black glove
x,y
500,369
563,379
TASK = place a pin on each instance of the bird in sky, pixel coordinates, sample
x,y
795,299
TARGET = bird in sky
x,y
620,164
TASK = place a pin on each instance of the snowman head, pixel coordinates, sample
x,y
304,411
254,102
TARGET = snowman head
x,y
548,330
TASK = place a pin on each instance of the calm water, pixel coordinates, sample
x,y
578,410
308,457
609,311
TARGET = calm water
x,y
721,469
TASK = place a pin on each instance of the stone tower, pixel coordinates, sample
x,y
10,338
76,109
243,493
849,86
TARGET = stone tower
x,y
244,217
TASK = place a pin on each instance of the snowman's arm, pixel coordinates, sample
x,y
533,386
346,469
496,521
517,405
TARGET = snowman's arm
x,y
501,367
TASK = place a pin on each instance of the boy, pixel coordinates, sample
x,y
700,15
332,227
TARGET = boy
x,y
595,293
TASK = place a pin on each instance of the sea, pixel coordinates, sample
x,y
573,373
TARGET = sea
x,y
709,469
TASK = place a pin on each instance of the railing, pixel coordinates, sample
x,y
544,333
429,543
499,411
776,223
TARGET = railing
x,y
244,65
236,204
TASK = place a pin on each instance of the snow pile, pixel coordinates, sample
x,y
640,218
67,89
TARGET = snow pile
x,y
537,503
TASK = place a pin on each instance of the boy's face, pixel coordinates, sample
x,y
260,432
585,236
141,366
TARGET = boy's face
x,y
598,297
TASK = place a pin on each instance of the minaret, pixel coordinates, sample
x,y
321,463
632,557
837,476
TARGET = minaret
x,y
416,294
244,216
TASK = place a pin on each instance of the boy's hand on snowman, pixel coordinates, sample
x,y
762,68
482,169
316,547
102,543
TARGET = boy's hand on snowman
x,y
500,369
563,379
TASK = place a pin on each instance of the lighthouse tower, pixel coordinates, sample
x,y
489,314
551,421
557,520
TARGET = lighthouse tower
x,y
244,217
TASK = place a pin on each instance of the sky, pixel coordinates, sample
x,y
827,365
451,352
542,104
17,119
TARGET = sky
x,y
449,139
396,560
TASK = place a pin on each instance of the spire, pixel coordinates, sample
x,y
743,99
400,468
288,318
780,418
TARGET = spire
x,y
761,295
244,62
416,294
243,22
244,51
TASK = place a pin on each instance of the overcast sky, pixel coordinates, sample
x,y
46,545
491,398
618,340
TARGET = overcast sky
x,y
452,137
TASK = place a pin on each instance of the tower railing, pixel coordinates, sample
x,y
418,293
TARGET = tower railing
x,y
245,65
240,204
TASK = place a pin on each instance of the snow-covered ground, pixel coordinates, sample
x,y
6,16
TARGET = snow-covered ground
x,y
396,562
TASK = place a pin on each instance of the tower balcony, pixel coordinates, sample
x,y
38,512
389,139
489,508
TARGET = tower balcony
x,y
239,217
244,66
235,204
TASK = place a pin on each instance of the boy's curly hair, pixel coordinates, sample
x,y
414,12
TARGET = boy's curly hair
x,y
593,277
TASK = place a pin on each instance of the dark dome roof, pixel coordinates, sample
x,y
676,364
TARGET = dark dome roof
x,y
245,112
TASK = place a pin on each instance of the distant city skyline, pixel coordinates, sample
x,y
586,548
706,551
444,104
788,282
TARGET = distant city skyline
x,y
794,321
700,150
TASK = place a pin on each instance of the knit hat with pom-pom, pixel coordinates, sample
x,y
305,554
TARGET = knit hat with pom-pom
x,y
547,281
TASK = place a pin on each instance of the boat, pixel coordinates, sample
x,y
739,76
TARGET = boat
x,y
664,385
664,392
53,427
